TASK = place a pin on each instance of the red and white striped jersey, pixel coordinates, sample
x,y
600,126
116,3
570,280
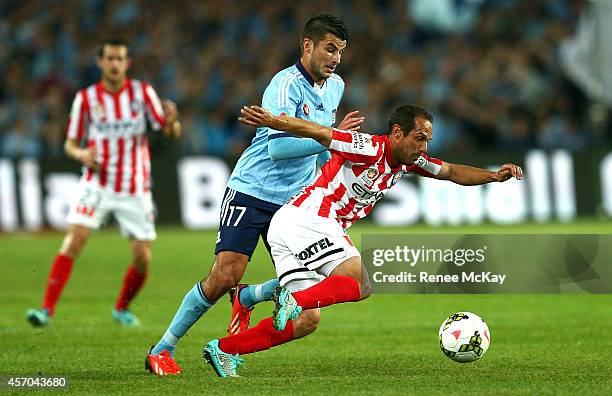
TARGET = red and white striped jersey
x,y
356,177
115,124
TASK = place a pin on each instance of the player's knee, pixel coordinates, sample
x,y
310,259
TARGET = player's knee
x,y
229,268
306,323
365,288
227,277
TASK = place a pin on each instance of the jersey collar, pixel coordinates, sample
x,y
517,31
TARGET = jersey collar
x,y
100,87
302,70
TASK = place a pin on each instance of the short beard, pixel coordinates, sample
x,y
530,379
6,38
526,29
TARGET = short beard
x,y
317,75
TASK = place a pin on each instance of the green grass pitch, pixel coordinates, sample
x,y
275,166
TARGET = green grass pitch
x,y
541,344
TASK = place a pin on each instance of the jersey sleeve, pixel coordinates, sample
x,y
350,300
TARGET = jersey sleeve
x,y
355,146
155,112
340,83
78,119
283,98
427,166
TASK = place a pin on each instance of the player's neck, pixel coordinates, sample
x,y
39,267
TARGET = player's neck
x,y
393,163
310,73
113,86
392,160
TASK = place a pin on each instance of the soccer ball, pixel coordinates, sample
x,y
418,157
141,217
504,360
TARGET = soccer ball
x,y
464,337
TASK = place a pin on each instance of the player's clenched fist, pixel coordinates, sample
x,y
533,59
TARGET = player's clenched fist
x,y
506,171
170,111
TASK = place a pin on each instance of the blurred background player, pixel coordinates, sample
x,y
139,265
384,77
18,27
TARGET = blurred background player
x,y
269,172
111,115
307,235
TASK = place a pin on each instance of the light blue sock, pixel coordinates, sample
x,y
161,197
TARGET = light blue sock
x,y
192,308
254,294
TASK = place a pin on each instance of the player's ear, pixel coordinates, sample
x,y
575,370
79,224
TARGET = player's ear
x,y
396,132
307,45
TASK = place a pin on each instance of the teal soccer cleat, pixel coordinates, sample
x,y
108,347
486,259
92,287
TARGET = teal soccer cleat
x,y
125,317
224,364
38,317
285,308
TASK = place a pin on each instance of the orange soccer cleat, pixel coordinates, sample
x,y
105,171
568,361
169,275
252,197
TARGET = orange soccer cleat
x,y
241,314
162,364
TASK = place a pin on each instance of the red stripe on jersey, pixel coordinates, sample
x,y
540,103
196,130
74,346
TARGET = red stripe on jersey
x,y
348,222
304,195
328,200
156,115
105,157
130,88
383,184
328,172
119,176
117,106
348,208
145,162
358,170
89,175
342,136
83,114
133,178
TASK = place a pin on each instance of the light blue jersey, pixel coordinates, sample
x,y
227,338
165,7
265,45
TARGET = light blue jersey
x,y
292,92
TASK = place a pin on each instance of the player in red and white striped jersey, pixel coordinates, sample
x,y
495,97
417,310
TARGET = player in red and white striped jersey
x,y
357,176
316,263
109,119
114,126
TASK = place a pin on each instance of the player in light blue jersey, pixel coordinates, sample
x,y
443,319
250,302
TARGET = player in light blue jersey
x,y
273,169
268,170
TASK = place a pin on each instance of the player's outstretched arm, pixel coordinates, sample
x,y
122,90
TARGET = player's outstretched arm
x,y
471,176
259,117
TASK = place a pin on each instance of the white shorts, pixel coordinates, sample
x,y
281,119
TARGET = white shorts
x,y
134,213
306,248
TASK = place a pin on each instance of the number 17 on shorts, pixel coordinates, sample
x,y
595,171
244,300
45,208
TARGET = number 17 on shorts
x,y
243,220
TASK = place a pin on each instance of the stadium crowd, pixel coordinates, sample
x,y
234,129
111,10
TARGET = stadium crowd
x,y
490,72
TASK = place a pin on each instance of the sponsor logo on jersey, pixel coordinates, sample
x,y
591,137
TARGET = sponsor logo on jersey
x,y
97,113
359,140
320,107
366,196
333,117
314,249
135,106
306,109
370,175
420,162
120,126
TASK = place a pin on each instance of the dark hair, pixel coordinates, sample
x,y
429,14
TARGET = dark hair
x,y
114,42
404,117
318,26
